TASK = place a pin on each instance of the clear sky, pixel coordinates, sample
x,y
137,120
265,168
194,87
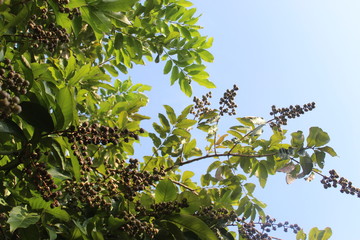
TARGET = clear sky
x,y
286,52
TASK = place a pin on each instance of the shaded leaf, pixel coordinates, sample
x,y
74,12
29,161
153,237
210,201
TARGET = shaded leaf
x,y
165,191
19,217
37,116
193,224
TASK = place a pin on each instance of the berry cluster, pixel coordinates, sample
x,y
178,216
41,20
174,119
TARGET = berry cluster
x,y
95,134
220,215
41,179
12,84
87,193
125,180
260,230
281,115
166,208
227,104
200,108
71,12
47,35
135,227
334,180
132,180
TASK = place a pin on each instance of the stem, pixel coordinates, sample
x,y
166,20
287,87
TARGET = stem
x,y
184,186
219,155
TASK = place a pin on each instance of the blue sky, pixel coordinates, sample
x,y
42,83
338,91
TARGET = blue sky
x,y
286,52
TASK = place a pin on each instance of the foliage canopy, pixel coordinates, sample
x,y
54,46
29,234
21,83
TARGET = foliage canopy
x,y
68,128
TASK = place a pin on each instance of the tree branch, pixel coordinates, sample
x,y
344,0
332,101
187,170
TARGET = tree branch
x,y
219,155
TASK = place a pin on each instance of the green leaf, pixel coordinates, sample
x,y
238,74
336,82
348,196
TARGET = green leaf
x,y
301,235
174,75
165,191
306,164
262,174
297,139
123,119
193,224
164,122
118,43
168,67
185,123
205,55
319,158
328,150
250,187
181,132
37,116
155,139
37,203
325,234
80,74
184,113
116,5
77,3
65,101
188,147
185,86
9,127
184,3
170,113
19,217
204,82
317,137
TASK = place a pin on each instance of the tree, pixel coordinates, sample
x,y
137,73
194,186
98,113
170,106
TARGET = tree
x,y
68,127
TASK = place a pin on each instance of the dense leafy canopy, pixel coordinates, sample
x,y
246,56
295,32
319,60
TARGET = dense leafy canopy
x,y
68,128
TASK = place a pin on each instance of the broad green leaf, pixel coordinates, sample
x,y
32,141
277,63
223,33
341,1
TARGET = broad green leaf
x,y
205,55
9,127
193,224
262,174
20,17
65,101
37,116
250,187
297,139
165,191
77,3
188,147
80,74
325,234
19,217
306,165
319,158
204,82
185,123
317,137
184,3
181,132
155,139
301,235
170,113
118,43
164,122
122,120
174,75
184,113
37,203
187,175
168,67
328,150
116,5
185,86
